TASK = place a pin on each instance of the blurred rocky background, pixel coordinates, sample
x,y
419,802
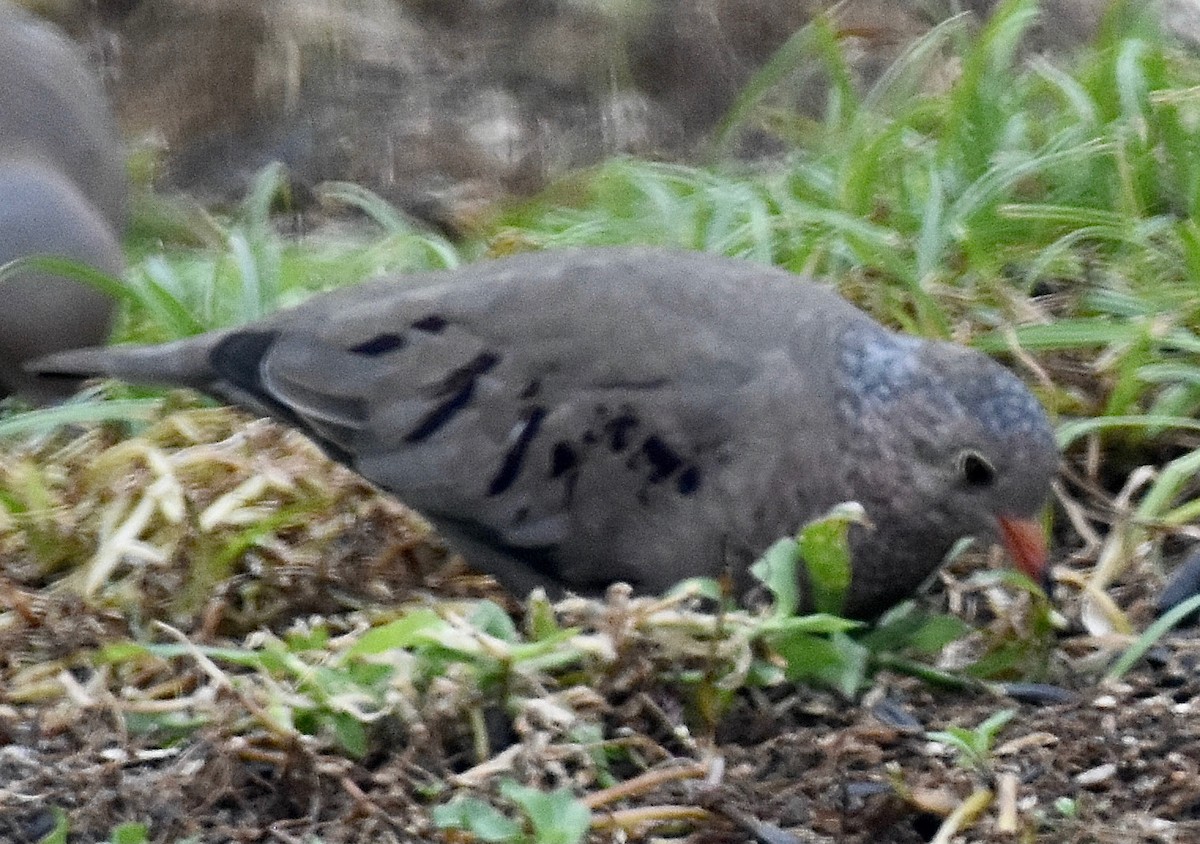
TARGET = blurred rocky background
x,y
446,107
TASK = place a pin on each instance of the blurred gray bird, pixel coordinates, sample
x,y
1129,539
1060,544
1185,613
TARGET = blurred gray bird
x,y
570,419
63,193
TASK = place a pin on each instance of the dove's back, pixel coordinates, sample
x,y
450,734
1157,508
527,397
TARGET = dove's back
x,y
63,193
53,110
576,417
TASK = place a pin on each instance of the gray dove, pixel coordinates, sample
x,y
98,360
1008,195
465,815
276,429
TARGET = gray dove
x,y
64,192
574,418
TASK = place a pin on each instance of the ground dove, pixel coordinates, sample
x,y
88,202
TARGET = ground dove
x,y
63,193
575,418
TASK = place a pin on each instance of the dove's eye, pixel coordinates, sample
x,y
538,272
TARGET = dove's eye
x,y
975,469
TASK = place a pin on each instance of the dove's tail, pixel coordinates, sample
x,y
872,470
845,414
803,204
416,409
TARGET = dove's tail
x,y
181,363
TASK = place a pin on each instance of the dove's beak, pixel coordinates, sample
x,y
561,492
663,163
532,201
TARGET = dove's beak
x,y
1025,541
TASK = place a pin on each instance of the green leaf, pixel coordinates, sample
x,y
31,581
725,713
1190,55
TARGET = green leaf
x,y
825,547
974,746
479,818
316,639
372,204
74,270
990,728
414,628
936,632
776,569
236,656
817,623
164,727
57,835
906,628
158,288
836,662
701,587
351,733
118,652
491,618
76,413
1002,660
270,183
1151,635
1063,334
540,620
1066,806
130,833
557,816
1068,432
817,39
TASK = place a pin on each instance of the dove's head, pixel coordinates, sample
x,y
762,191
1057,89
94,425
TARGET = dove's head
x,y
957,446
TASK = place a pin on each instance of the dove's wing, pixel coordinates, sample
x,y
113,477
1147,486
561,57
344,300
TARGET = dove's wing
x,y
586,422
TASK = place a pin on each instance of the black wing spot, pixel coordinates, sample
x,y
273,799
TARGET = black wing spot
x,y
515,458
531,390
432,324
380,344
458,387
663,459
688,481
563,458
619,429
238,358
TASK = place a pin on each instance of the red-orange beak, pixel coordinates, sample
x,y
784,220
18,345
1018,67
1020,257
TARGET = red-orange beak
x,y
1025,541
